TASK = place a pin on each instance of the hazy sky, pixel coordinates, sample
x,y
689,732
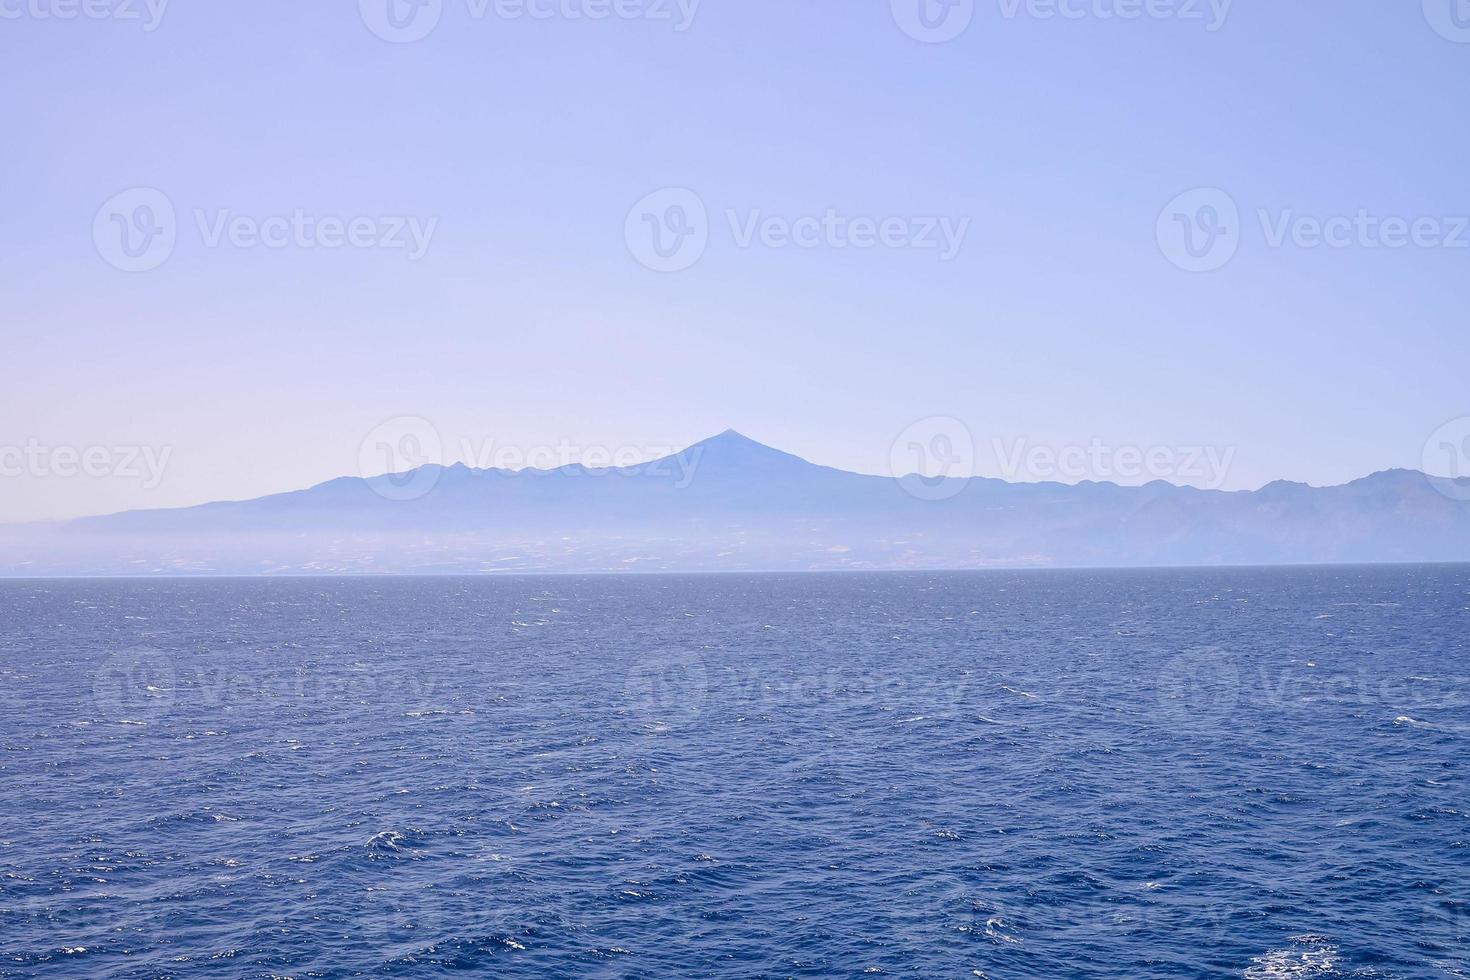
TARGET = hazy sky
x,y
1049,307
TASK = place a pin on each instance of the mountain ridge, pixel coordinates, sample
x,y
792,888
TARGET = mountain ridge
x,y
731,503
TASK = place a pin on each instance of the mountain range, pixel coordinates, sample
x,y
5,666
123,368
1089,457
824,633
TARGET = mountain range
x,y
730,503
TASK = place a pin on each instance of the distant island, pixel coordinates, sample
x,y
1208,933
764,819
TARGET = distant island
x,y
732,504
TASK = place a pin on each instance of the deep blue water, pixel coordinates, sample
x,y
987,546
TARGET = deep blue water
x,y
1257,773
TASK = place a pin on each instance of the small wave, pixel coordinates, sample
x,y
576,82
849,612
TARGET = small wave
x,y
385,839
993,930
388,843
1306,957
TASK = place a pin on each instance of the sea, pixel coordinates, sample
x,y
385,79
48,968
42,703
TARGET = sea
x,y
1252,773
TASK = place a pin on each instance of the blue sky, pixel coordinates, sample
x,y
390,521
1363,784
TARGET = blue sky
x,y
528,320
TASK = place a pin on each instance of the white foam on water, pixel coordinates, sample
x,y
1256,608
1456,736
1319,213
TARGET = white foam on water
x,y
993,930
1306,957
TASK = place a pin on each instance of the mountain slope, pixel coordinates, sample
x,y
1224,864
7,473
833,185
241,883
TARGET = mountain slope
x,y
732,503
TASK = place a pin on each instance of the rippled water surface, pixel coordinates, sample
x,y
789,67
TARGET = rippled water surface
x,y
1248,773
